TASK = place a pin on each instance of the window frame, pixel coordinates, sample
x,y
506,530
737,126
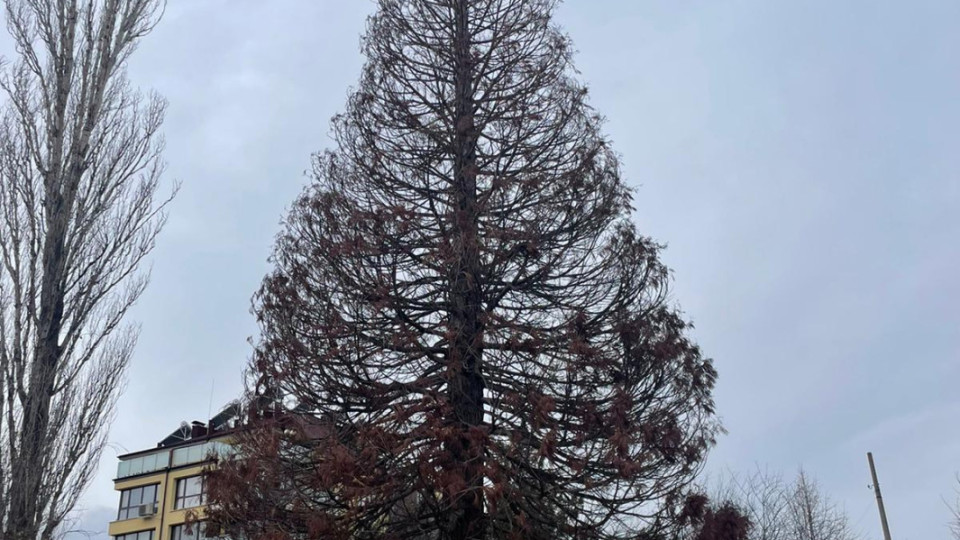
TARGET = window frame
x,y
199,528
135,535
121,516
179,500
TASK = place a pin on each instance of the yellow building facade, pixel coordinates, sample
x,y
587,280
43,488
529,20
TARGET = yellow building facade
x,y
161,489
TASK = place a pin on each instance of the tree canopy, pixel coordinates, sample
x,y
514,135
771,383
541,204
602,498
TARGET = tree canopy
x,y
474,337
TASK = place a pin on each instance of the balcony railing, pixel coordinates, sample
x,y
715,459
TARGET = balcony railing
x,y
171,457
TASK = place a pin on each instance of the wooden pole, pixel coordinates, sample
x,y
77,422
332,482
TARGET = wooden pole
x,y
876,489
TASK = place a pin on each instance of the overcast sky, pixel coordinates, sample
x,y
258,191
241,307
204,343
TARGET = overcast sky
x,y
800,158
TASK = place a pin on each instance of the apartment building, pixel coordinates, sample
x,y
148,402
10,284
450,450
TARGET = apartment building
x,y
160,487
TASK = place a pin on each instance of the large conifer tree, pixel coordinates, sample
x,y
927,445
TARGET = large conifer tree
x,y
477,341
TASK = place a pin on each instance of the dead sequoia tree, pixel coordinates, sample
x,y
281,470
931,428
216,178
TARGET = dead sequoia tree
x,y
79,170
475,340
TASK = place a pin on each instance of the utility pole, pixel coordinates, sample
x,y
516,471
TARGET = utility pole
x,y
876,489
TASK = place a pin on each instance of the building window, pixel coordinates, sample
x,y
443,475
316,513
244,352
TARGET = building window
x,y
142,535
189,492
192,531
143,464
199,452
132,499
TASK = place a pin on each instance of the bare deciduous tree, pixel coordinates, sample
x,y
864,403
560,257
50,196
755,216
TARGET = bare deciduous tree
x,y
80,162
463,297
779,510
955,510
763,498
813,516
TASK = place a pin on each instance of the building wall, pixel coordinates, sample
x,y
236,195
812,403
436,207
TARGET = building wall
x,y
166,516
184,453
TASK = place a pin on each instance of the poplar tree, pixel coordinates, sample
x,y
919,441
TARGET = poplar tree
x,y
80,208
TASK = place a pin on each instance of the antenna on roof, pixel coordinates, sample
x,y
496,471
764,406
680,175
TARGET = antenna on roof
x,y
210,404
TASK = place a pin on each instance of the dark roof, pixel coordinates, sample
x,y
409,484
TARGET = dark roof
x,y
222,423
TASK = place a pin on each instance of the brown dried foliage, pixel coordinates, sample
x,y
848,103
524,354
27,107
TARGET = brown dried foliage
x,y
696,517
475,338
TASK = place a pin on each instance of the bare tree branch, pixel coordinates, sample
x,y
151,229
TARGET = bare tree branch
x,y
781,510
955,511
80,164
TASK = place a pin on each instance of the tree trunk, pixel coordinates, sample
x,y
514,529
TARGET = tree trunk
x,y
36,408
465,348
